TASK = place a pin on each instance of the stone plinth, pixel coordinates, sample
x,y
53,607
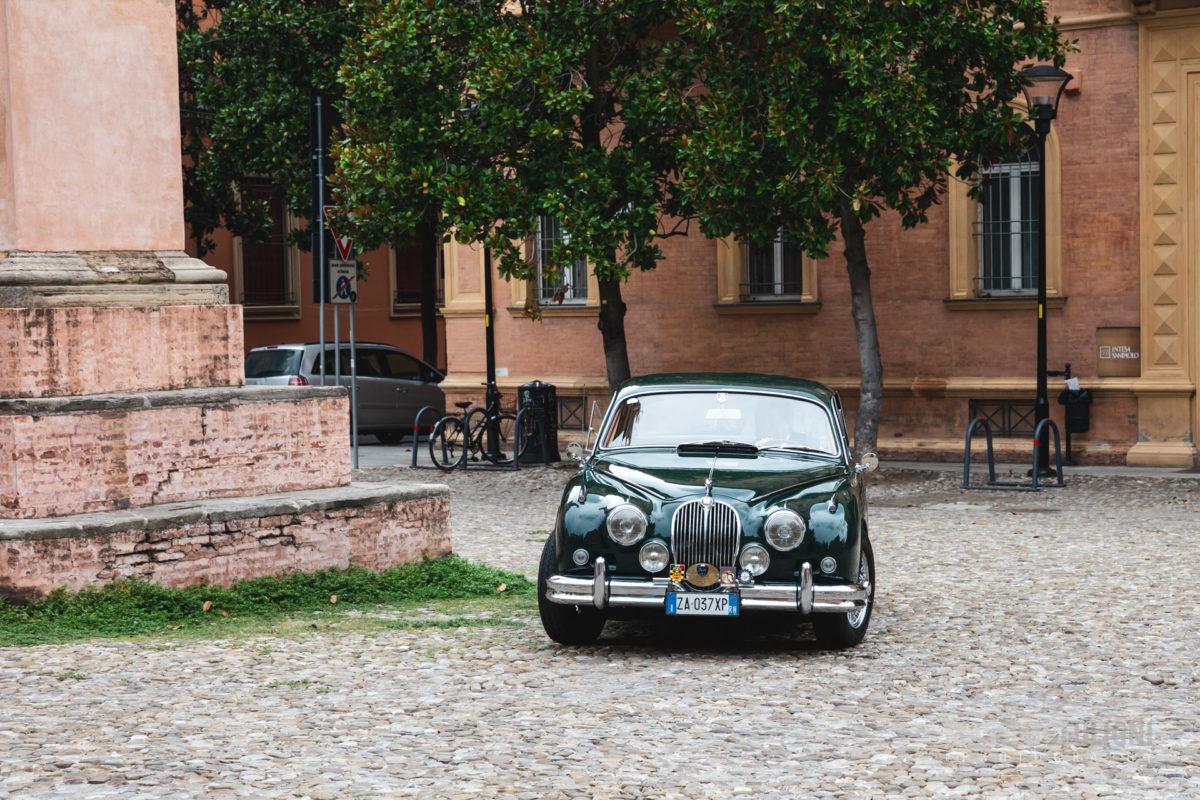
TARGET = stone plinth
x,y
71,455
222,541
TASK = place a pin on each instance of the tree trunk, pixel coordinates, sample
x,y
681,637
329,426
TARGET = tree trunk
x,y
870,400
612,329
429,258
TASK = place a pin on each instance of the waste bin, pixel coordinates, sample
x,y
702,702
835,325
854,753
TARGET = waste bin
x,y
1078,406
539,400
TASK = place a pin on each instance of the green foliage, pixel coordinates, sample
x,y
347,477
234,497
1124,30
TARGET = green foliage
x,y
494,115
247,69
847,104
132,608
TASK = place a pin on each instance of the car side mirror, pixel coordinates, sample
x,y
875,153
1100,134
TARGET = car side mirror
x,y
869,463
575,451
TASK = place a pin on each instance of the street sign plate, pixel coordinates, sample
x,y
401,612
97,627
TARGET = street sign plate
x,y
343,282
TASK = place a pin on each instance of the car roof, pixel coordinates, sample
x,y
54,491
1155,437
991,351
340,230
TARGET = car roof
x,y
729,381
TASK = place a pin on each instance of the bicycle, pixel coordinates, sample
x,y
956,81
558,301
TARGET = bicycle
x,y
485,432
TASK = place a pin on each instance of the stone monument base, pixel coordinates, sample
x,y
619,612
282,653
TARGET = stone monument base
x,y
224,541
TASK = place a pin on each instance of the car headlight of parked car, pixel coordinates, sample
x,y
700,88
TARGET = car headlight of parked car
x,y
626,524
784,530
654,556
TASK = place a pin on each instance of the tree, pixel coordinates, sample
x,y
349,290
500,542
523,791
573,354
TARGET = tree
x,y
816,117
248,69
541,110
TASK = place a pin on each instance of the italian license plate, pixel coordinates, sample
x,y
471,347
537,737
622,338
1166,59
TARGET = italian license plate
x,y
680,604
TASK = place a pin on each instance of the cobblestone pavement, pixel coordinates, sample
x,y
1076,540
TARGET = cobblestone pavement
x,y
1023,646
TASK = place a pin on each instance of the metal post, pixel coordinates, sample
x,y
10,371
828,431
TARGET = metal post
x,y
354,394
492,399
1042,406
317,125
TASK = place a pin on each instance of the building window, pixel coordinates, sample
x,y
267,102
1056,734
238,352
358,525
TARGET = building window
x,y
268,271
404,270
994,238
1006,231
773,271
568,284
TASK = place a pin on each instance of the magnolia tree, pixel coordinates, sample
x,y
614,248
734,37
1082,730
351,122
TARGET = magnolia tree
x,y
816,117
480,117
248,70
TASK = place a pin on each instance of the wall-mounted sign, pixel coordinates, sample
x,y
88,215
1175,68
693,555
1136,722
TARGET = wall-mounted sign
x,y
1119,352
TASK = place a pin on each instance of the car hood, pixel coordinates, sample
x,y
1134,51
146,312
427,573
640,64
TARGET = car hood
x,y
664,476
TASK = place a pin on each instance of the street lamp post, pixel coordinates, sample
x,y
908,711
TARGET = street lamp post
x,y
1043,89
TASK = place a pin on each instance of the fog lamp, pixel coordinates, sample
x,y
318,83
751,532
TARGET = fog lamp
x,y
755,559
580,557
828,565
654,556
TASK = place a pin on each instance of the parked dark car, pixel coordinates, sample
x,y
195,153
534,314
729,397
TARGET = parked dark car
x,y
715,495
393,385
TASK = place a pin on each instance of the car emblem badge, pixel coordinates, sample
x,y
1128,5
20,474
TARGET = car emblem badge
x,y
702,576
728,578
677,573
744,577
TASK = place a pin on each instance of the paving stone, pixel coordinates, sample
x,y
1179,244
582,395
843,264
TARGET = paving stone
x,y
1023,646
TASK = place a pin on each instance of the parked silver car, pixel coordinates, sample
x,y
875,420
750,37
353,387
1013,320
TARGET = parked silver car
x,y
393,385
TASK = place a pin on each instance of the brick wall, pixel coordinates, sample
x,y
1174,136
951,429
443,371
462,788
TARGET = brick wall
x,y
366,525
54,352
121,452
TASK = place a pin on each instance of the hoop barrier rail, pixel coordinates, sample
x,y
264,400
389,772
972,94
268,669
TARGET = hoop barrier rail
x,y
512,464
1011,486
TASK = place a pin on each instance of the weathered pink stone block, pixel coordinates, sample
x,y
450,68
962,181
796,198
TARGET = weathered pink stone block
x,y
391,525
126,452
57,352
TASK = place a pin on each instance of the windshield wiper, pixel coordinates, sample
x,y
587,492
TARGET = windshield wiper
x,y
796,448
724,447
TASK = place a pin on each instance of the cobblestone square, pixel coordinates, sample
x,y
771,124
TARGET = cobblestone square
x,y
1022,646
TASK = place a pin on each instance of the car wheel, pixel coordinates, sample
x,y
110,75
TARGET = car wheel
x,y
839,631
389,438
564,624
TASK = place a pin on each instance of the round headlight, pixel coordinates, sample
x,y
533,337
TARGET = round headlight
x,y
784,530
626,524
755,559
654,556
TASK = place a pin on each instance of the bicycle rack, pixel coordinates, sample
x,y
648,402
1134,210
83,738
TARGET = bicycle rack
x,y
417,438
1011,486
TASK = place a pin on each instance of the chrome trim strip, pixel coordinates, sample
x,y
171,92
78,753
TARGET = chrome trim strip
x,y
629,593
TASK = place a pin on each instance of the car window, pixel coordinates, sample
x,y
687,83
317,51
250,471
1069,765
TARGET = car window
x,y
344,363
272,363
764,421
400,365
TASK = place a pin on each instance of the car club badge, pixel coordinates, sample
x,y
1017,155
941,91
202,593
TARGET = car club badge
x,y
728,578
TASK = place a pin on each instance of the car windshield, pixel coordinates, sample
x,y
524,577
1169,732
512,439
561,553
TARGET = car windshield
x,y
764,421
272,363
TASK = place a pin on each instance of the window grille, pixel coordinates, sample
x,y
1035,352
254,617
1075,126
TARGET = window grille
x,y
1008,228
773,271
566,284
1006,417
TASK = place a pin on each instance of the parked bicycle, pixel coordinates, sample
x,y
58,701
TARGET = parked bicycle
x,y
481,433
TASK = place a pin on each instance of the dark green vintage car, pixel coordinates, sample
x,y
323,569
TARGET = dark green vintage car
x,y
714,495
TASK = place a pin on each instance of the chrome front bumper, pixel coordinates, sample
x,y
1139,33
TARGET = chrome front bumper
x,y
805,597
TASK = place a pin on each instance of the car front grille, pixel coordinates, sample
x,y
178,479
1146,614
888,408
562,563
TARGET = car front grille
x,y
703,534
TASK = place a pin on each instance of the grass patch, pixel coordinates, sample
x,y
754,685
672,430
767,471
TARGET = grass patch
x,y
136,608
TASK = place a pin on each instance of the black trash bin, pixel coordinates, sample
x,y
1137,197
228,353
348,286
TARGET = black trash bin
x,y
539,400
1078,407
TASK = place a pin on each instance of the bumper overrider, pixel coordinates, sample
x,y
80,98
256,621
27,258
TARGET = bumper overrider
x,y
604,591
